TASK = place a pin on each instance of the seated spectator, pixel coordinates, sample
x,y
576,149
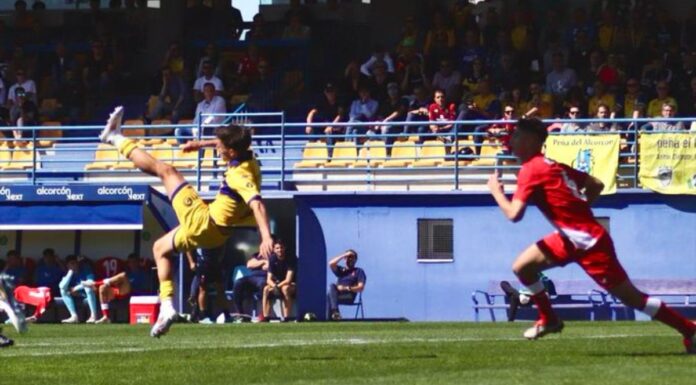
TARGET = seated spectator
x,y
350,281
471,78
266,89
71,97
502,132
656,73
379,54
439,40
561,79
601,96
573,113
663,97
539,100
470,51
603,112
418,110
131,281
172,97
208,77
174,59
14,267
688,101
211,104
414,76
352,79
71,284
633,99
329,110
58,63
296,29
393,110
49,271
486,100
98,74
280,280
610,73
259,29
28,117
245,288
23,85
447,79
668,111
378,81
440,110
363,109
212,57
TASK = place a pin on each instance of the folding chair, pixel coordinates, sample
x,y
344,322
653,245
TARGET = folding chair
x,y
357,302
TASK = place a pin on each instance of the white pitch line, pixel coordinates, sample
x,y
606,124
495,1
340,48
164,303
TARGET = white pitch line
x,y
21,350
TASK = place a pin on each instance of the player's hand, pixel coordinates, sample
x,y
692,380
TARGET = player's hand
x,y
266,248
494,183
190,146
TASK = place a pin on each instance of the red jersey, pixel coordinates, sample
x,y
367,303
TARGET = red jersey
x,y
555,189
435,112
109,266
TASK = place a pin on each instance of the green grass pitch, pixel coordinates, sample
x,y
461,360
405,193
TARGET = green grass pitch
x,y
347,353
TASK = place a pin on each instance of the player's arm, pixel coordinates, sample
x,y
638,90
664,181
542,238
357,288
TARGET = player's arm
x,y
288,278
512,209
333,263
593,187
269,280
259,210
255,264
195,145
191,260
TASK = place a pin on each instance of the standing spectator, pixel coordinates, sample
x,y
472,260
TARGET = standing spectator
x,y
667,111
379,54
363,109
207,77
211,104
560,79
48,272
663,97
27,115
172,98
447,78
226,20
603,112
350,281
329,110
352,79
280,280
252,284
441,110
263,93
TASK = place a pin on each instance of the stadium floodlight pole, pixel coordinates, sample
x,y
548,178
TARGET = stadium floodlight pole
x,y
282,151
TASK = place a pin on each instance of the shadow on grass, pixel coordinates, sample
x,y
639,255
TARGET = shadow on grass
x,y
640,354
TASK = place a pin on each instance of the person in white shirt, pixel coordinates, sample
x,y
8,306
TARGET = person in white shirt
x,y
208,77
211,104
27,85
379,54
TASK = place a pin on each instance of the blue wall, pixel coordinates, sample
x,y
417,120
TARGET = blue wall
x,y
655,237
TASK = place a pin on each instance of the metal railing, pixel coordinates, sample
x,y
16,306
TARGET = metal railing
x,y
43,158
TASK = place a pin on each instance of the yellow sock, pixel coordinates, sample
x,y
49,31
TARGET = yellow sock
x,y
126,146
166,290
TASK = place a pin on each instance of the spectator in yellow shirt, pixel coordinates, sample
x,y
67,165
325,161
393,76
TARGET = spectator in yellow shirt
x,y
601,96
655,105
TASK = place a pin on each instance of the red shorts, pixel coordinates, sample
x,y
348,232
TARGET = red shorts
x,y
599,261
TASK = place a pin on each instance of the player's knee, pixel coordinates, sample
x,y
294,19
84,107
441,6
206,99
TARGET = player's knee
x,y
165,170
159,249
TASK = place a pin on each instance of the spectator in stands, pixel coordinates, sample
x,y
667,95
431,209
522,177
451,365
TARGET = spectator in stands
x,y
497,131
668,111
561,79
57,64
539,100
264,92
447,78
688,101
252,284
410,38
98,74
131,281
207,77
392,110
350,281
49,272
247,70
573,113
23,20
14,267
610,73
471,79
655,106
211,104
71,284
71,97
439,40
174,59
28,117
258,30
505,75
441,110
379,56
295,29
414,76
280,280
328,110
172,98
226,20
603,112
211,56
23,84
418,110
352,79
656,73
363,109
378,81
470,51
633,99
486,100
601,96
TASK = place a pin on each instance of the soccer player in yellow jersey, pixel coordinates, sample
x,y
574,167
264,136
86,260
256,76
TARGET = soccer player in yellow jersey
x,y
201,225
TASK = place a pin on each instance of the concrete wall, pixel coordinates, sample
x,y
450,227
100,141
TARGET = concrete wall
x,y
654,236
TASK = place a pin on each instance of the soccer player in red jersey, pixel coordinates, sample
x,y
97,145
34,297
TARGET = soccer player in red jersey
x,y
564,196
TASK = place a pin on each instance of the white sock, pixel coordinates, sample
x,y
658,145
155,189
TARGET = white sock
x,y
117,139
167,306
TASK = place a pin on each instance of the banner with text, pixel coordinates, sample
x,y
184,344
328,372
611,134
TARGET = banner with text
x,y
668,162
597,155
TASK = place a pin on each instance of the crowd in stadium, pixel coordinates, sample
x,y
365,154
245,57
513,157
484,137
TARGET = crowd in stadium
x,y
610,59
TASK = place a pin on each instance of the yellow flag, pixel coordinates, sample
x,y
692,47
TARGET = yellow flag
x,y
597,155
668,162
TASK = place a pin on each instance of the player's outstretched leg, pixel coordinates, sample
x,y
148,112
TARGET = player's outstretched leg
x,y
655,308
13,310
527,268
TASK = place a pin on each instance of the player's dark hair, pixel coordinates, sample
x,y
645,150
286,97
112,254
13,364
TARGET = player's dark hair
x,y
354,253
234,137
12,253
71,258
278,241
534,127
48,251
